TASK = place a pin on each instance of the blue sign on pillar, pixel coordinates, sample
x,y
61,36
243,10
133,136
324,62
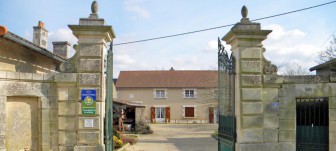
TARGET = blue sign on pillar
x,y
88,97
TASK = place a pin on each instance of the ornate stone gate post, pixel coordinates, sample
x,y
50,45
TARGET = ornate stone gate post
x,y
93,36
257,122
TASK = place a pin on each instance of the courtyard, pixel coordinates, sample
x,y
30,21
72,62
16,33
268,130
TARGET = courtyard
x,y
178,137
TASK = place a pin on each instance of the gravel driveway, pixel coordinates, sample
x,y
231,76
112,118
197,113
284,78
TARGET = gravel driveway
x,y
178,137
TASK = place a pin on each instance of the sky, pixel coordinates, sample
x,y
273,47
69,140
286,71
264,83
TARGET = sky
x,y
296,38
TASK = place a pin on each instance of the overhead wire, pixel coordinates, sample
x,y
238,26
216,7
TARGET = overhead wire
x,y
228,25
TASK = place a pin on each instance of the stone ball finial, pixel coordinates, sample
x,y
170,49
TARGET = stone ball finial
x,y
244,12
94,7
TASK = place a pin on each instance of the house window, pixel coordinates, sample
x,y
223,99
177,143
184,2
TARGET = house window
x,y
189,112
160,93
189,93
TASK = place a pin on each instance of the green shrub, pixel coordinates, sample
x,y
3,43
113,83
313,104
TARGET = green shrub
x,y
142,128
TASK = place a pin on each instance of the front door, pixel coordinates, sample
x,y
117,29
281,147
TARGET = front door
x,y
312,129
160,114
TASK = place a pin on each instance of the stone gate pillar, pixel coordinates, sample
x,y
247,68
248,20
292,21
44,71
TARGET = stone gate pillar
x,y
257,121
93,36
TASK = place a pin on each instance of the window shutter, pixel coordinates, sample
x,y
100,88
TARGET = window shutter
x,y
189,112
167,114
211,114
152,114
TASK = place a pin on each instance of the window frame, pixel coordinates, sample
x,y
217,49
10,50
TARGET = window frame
x,y
187,95
161,95
189,106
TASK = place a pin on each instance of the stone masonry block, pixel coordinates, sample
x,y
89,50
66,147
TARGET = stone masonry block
x,y
49,77
96,122
255,121
3,74
89,137
287,90
271,121
45,139
66,148
72,93
37,76
45,147
332,125
53,114
271,108
287,124
89,79
252,108
332,114
271,135
287,146
53,127
251,80
251,94
2,142
253,136
48,102
90,50
251,66
26,76
287,103
332,102
287,114
67,138
45,127
332,147
66,108
44,113
13,75
250,53
54,139
66,77
63,93
287,136
92,65
332,137
87,148
270,94
259,147
67,123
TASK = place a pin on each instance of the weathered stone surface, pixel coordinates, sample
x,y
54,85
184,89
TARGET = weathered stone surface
x,y
251,80
287,114
251,94
287,146
332,124
259,147
45,127
92,65
96,123
255,121
49,77
45,147
45,139
66,77
270,94
271,107
54,139
26,76
250,53
2,142
287,136
287,124
272,79
332,114
66,108
333,78
66,148
3,74
88,148
251,66
67,138
271,121
89,137
48,102
252,136
37,76
271,135
73,93
63,93
67,123
90,50
316,90
252,108
44,115
53,127
332,102
332,137
287,90
89,79
287,103
13,75
25,88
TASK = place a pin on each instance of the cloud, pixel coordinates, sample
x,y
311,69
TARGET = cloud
x,y
289,46
133,6
212,46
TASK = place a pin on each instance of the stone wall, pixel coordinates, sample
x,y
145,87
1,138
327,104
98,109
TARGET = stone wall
x,y
42,87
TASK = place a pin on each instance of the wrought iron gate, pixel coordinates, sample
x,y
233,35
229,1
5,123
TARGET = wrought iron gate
x,y
226,100
312,119
109,102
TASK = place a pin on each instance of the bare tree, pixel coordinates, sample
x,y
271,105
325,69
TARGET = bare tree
x,y
292,68
329,53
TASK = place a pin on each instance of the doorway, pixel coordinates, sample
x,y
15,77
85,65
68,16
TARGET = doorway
x,y
312,124
160,114
22,123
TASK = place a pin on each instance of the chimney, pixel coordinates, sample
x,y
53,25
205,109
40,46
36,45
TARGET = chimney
x,y
61,48
40,35
171,69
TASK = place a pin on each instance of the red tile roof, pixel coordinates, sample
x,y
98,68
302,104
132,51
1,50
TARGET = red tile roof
x,y
167,79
